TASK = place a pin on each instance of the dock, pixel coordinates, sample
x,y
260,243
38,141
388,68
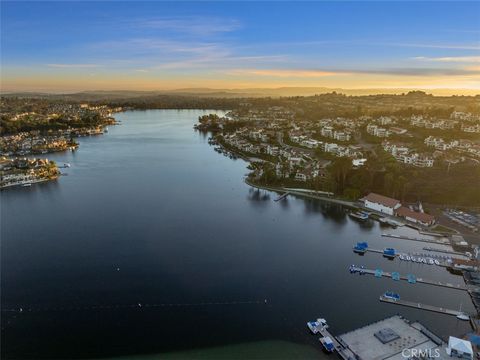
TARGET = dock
x,y
443,260
342,350
360,270
281,197
420,306
427,248
431,241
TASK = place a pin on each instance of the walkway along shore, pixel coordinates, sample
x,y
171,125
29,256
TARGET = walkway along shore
x,y
305,193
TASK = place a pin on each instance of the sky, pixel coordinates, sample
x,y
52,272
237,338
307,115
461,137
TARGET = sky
x,y
68,46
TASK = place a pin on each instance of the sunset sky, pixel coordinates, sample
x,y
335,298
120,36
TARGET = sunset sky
x,y
71,46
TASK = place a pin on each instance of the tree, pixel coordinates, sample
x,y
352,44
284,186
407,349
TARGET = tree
x,y
339,170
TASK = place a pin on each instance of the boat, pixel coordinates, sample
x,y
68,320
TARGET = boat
x,y
27,184
391,295
436,262
462,316
360,215
360,248
430,262
389,253
67,165
315,326
327,343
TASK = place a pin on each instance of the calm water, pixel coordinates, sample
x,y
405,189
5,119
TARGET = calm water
x,y
149,214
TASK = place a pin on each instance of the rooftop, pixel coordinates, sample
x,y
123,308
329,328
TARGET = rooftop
x,y
380,199
406,212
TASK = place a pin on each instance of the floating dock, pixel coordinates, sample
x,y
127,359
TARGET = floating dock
x,y
427,248
431,241
341,348
420,306
381,273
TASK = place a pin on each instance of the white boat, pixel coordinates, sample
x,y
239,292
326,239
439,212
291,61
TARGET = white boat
x,y
27,184
316,326
430,262
463,317
313,326
408,258
327,343
436,262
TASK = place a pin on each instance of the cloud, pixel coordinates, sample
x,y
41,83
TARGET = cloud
x,y
417,71
284,72
436,46
371,43
192,25
461,59
315,73
159,54
74,66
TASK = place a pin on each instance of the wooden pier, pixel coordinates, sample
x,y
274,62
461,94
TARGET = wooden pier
x,y
420,306
431,241
281,197
418,280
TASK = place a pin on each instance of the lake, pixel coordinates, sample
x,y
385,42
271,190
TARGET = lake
x,y
154,244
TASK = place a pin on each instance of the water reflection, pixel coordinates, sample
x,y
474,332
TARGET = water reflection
x,y
258,196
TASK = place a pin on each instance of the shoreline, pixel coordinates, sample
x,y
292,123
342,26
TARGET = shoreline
x,y
349,204
20,184
307,193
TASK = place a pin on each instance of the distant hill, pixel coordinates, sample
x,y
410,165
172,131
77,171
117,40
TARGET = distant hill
x,y
233,93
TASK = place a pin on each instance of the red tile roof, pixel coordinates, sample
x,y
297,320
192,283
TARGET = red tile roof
x,y
422,217
380,199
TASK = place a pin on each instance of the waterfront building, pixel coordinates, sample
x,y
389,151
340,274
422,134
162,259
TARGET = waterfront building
x,y
381,203
459,349
415,217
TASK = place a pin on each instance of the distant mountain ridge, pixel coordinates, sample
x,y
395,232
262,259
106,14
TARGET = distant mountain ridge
x,y
241,93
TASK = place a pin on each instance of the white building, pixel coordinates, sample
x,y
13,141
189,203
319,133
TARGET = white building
x,y
459,349
381,203
358,162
